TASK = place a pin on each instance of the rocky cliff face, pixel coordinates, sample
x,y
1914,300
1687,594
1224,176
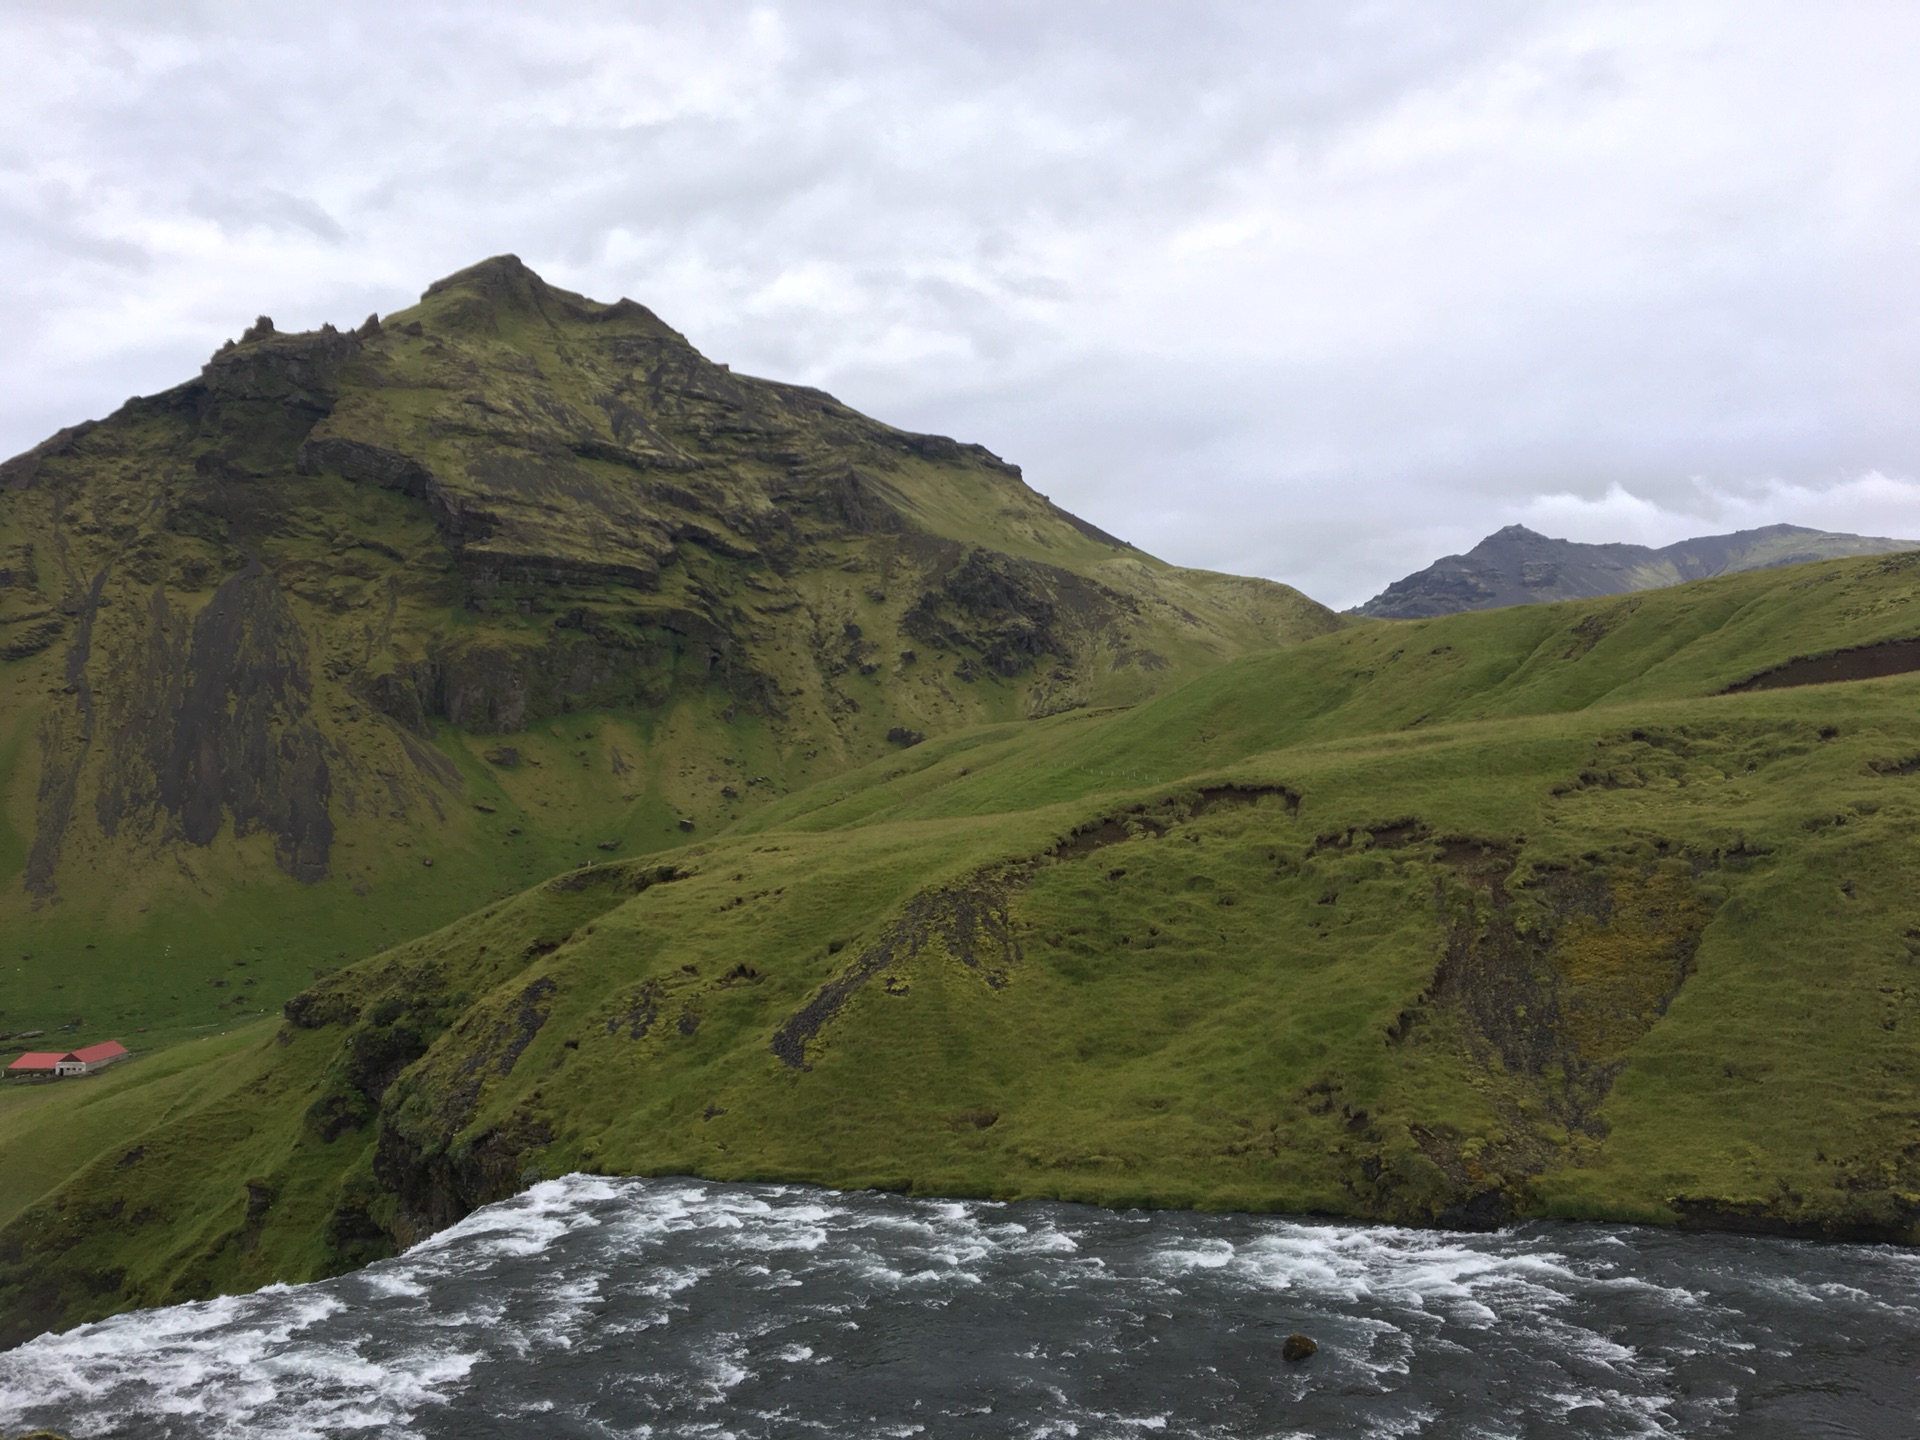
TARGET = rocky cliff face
x,y
275,606
1518,566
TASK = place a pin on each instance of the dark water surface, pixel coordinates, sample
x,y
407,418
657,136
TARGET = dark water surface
x,y
591,1307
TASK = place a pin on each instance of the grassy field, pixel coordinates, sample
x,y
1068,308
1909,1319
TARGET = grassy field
x,y
1503,914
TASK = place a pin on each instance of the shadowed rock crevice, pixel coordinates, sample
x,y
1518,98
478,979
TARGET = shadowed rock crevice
x,y
589,658
1893,1220
65,736
421,1054
1008,612
220,729
434,1174
430,1188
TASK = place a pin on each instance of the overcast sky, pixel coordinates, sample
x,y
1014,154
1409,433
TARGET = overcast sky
x,y
1314,291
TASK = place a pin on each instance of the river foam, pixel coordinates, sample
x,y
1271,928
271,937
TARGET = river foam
x,y
597,1307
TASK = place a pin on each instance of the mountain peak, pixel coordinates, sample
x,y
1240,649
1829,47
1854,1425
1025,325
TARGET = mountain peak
x,y
475,298
496,275
1513,532
1518,566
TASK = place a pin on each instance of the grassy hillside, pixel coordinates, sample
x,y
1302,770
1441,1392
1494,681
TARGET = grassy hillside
x,y
356,631
1517,913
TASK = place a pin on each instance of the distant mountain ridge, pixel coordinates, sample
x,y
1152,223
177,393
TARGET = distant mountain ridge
x,y
1518,566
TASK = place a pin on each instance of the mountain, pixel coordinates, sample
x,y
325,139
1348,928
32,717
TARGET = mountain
x,y
498,742
1517,566
356,630
1597,910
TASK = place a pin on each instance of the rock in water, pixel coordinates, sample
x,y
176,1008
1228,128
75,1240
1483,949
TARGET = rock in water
x,y
1297,1347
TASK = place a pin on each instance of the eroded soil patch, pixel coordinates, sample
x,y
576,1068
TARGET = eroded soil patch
x,y
971,919
1857,662
1547,978
1560,980
1547,982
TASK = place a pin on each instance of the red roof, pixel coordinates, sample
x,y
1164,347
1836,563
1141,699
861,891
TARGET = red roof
x,y
37,1060
105,1050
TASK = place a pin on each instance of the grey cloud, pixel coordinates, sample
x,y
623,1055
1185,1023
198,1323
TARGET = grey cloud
x,y
269,209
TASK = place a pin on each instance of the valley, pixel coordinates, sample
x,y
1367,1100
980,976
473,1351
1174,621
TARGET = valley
x,y
497,743
1451,922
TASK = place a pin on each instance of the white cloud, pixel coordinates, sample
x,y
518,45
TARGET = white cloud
x,y
1616,514
1318,291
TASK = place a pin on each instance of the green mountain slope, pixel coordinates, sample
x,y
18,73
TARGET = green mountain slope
x,y
353,632
1518,566
1577,910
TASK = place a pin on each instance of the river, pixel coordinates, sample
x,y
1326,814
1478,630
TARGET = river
x,y
597,1307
